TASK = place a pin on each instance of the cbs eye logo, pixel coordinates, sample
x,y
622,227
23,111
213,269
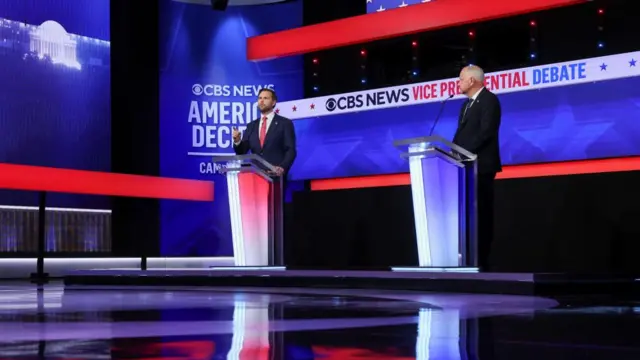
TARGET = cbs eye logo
x,y
331,104
197,89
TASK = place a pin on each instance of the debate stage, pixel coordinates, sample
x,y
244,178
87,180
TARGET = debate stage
x,y
410,280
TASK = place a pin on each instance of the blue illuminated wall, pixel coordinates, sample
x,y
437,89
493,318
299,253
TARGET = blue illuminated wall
x,y
206,87
585,121
54,103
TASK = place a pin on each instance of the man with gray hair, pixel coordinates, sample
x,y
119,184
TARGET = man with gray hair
x,y
478,128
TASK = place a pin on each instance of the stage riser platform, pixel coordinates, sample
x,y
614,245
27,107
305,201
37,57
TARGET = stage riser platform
x,y
485,283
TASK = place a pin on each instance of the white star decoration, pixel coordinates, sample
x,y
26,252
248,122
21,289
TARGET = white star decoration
x,y
382,5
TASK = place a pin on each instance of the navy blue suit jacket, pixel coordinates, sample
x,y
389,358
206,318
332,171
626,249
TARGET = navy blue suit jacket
x,y
478,131
279,145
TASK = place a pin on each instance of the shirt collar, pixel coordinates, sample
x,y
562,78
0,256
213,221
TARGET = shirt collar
x,y
475,96
269,116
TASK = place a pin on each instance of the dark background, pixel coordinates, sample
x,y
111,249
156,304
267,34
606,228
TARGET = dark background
x,y
582,224
562,34
135,121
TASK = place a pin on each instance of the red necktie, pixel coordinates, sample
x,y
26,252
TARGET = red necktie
x,y
263,130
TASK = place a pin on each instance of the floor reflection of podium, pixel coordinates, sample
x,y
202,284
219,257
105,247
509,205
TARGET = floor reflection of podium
x,y
447,334
444,334
252,339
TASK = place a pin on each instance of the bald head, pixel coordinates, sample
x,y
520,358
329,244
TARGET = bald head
x,y
471,80
475,72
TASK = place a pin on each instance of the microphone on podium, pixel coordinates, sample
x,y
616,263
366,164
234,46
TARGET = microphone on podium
x,y
435,122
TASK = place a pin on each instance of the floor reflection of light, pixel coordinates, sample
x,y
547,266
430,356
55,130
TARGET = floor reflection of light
x,y
11,301
250,333
424,334
440,335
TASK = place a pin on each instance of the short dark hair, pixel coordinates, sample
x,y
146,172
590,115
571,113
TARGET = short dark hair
x,y
271,91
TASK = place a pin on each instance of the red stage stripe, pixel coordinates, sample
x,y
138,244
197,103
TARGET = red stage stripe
x,y
37,178
391,23
571,168
360,182
509,172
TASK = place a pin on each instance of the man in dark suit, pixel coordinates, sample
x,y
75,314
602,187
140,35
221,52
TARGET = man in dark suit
x,y
478,128
271,136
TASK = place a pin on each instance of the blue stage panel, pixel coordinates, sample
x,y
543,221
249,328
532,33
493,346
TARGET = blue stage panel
x,y
576,122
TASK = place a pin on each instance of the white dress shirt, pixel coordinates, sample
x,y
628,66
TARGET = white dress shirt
x,y
472,101
475,96
269,120
269,116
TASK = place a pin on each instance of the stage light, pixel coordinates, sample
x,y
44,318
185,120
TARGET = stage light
x,y
600,28
533,48
364,81
363,53
415,73
414,43
315,88
472,34
315,74
315,61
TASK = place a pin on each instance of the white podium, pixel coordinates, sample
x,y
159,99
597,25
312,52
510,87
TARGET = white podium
x,y
255,204
443,186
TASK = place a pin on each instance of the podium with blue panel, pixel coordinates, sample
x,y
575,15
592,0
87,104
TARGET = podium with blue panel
x,y
443,187
255,204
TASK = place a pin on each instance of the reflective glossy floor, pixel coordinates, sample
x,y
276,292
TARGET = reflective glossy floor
x,y
271,323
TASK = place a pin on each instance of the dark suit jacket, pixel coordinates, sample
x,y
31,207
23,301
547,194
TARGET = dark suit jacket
x,y
478,131
279,145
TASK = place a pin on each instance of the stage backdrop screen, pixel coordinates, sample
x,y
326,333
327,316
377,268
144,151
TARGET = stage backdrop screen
x,y
580,110
55,90
206,87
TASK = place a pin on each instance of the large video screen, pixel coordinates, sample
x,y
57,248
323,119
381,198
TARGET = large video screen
x,y
550,113
55,90
207,86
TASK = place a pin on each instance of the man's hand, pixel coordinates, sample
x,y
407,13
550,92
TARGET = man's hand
x,y
237,136
279,171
